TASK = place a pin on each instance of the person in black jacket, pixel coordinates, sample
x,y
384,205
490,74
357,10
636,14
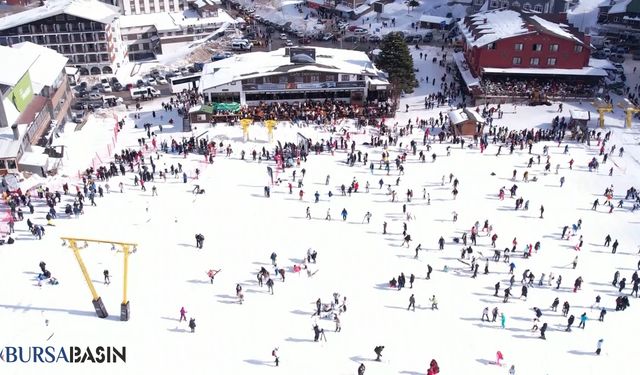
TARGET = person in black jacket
x,y
361,369
570,323
378,350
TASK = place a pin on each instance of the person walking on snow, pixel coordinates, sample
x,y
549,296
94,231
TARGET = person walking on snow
x,y
599,346
183,314
344,214
412,303
583,320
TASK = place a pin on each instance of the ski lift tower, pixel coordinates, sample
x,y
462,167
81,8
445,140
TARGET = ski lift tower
x,y
244,123
602,106
126,249
630,109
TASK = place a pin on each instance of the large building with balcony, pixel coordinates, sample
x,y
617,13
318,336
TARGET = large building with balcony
x,y
294,75
510,42
85,31
152,6
35,100
540,6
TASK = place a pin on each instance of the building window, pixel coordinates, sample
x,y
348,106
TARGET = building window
x,y
534,61
577,48
553,48
504,4
551,61
515,4
519,46
494,4
516,61
536,47
491,45
298,78
282,79
138,36
344,77
314,78
537,8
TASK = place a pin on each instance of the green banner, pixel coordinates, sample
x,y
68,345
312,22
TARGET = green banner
x,y
21,93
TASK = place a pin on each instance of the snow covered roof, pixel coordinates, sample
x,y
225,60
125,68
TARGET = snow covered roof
x,y
620,7
488,27
601,63
586,71
460,115
174,21
93,10
579,114
14,65
244,66
47,64
435,19
558,29
463,67
9,147
484,28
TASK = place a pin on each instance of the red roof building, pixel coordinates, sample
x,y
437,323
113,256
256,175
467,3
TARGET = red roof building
x,y
508,42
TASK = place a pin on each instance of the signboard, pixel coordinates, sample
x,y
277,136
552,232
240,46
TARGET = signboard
x,y
263,86
302,86
21,93
301,55
378,7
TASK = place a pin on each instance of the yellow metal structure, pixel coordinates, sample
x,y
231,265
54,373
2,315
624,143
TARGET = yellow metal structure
x,y
270,124
245,122
602,106
126,246
630,109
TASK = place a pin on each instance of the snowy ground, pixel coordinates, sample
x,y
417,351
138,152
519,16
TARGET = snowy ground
x,y
242,228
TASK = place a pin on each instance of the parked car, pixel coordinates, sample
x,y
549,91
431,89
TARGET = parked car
x,y
283,36
327,36
140,83
106,87
304,40
617,58
117,86
161,80
288,43
360,31
374,38
94,96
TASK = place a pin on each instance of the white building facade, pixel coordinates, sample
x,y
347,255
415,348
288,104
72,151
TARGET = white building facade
x,y
152,6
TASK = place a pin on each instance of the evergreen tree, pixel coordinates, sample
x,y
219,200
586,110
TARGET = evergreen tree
x,y
412,4
396,60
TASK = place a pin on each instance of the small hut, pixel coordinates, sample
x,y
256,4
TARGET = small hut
x,y
579,119
466,122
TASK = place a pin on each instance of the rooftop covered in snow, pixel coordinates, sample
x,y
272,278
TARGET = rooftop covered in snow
x,y
14,65
488,27
92,10
174,21
46,64
276,62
